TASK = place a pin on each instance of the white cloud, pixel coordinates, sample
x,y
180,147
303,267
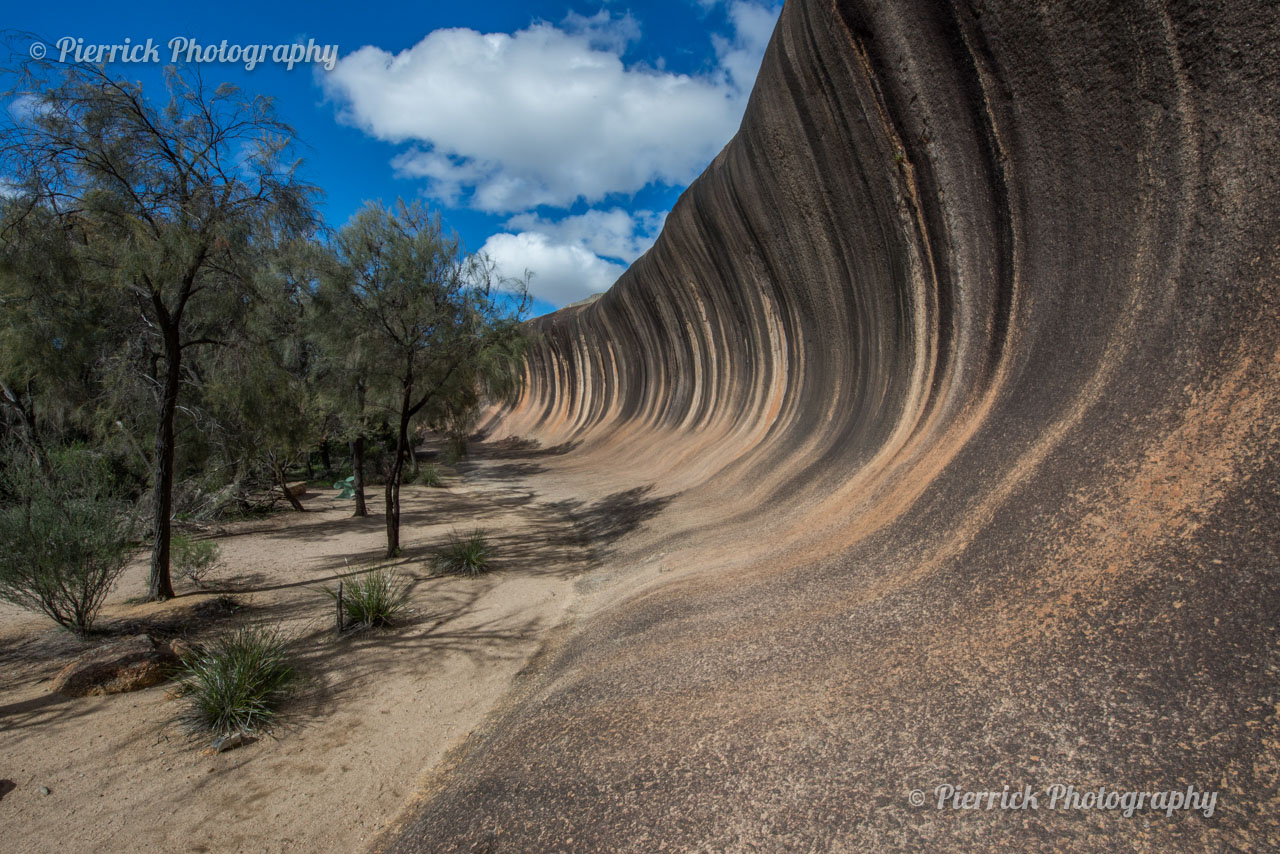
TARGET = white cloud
x,y
548,115
740,56
576,256
562,273
614,233
603,31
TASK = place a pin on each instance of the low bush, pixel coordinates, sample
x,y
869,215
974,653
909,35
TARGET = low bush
x,y
429,475
65,537
237,683
192,559
455,449
465,554
372,599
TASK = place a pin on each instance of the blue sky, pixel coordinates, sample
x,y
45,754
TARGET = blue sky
x,y
553,135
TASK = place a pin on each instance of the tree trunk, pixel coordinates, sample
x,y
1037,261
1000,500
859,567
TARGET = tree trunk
x,y
393,510
357,470
284,490
25,407
311,472
160,584
393,479
413,456
324,459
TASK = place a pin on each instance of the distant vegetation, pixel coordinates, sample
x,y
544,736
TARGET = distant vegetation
x,y
194,558
429,475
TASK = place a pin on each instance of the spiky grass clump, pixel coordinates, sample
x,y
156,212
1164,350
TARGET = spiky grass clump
x,y
238,682
373,598
466,554
429,475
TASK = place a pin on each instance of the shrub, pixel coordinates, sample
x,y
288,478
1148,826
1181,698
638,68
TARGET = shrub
x,y
65,537
467,554
237,682
192,559
455,449
429,475
373,598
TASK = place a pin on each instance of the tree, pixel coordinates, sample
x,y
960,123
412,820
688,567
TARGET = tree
x,y
260,391
433,323
345,350
175,203
56,328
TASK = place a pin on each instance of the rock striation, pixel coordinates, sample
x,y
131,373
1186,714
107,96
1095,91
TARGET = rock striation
x,y
962,365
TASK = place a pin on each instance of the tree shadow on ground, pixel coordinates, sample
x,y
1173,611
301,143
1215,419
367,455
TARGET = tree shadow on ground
x,y
40,655
559,538
517,448
40,710
567,537
356,661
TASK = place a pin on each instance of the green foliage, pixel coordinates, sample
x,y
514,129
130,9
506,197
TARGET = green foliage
x,y
430,325
166,299
193,558
466,554
372,599
429,475
65,536
238,682
154,233
455,449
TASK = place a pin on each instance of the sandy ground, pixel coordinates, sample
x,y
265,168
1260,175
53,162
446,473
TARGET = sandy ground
x,y
378,710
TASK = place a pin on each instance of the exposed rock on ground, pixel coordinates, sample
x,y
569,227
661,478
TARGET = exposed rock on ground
x,y
116,667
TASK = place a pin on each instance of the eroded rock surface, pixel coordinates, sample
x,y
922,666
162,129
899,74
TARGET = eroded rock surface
x,y
961,365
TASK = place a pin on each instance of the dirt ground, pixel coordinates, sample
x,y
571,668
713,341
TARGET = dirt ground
x,y
377,712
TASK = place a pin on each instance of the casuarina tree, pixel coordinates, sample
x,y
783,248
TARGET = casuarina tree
x,y
173,203
434,324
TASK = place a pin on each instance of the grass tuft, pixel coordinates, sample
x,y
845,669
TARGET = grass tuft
x,y
372,599
237,682
466,554
429,475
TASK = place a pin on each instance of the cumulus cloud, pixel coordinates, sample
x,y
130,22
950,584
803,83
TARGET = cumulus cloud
x,y
562,273
740,56
576,256
603,31
549,115
614,233
546,117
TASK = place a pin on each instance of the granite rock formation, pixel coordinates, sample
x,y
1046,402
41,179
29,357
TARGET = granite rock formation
x,y
962,363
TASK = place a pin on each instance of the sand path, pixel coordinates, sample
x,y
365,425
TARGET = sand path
x,y
379,712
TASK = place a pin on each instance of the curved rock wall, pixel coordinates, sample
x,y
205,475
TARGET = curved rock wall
x,y
962,362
